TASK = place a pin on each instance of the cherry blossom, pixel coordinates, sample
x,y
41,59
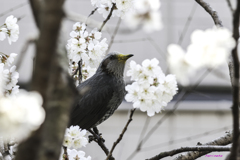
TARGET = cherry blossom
x,y
151,89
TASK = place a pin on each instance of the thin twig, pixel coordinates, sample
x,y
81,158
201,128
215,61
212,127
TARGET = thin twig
x,y
211,12
121,135
185,139
93,11
131,40
192,148
114,34
156,46
144,129
108,17
13,8
75,72
235,87
24,51
187,24
80,71
100,142
182,96
65,154
230,6
75,17
221,141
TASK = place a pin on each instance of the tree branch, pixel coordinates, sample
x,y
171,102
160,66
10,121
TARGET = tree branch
x,y
121,135
80,71
72,16
36,6
113,35
13,8
100,142
93,11
235,86
192,148
187,24
222,141
212,13
108,17
51,79
175,141
50,22
24,50
230,6
182,96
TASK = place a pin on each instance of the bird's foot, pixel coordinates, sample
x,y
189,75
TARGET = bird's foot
x,y
95,136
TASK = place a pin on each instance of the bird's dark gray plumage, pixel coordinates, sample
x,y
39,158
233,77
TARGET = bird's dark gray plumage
x,y
103,92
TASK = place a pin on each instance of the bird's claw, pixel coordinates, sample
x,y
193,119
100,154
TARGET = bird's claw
x,y
95,138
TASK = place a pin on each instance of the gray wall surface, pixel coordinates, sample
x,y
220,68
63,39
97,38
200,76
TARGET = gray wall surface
x,y
175,14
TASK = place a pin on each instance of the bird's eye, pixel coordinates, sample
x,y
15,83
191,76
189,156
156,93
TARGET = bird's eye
x,y
111,57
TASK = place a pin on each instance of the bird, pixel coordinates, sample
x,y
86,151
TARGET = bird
x,y
102,93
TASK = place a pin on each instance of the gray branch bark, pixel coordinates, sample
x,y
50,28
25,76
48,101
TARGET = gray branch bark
x,y
222,141
192,148
51,80
211,12
234,73
35,6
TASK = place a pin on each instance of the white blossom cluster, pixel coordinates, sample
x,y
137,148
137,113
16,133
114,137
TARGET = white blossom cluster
x,y
121,7
9,75
74,139
87,47
151,89
135,12
80,155
145,13
209,48
9,29
20,115
74,154
21,112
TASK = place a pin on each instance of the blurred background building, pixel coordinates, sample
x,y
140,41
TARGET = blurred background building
x,y
202,116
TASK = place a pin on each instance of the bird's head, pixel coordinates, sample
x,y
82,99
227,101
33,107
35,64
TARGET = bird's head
x,y
114,63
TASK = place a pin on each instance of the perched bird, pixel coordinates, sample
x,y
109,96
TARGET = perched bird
x,y
104,92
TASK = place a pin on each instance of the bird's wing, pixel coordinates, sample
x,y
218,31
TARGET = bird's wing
x,y
94,103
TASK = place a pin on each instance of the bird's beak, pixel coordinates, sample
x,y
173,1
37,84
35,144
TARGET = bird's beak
x,y
128,56
124,58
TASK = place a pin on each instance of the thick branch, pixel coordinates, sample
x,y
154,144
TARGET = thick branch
x,y
51,79
222,141
121,135
60,98
50,22
35,6
235,86
193,148
212,13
